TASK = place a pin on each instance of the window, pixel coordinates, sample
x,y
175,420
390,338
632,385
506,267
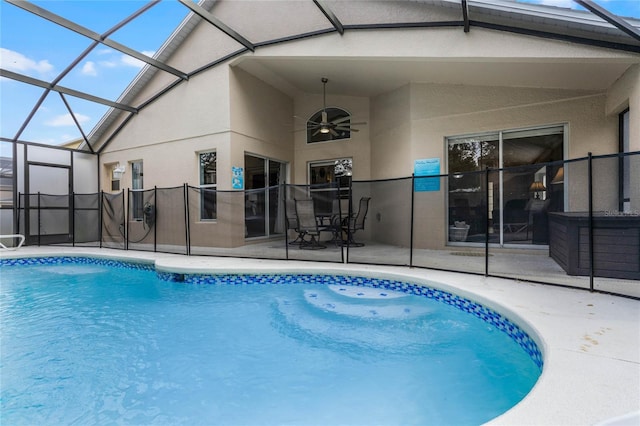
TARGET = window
x,y
514,201
116,172
327,177
315,134
624,185
208,185
137,185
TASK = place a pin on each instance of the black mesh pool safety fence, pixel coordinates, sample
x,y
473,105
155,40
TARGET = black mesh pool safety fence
x,y
572,223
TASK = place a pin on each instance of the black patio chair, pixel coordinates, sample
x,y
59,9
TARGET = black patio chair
x,y
308,225
354,223
291,219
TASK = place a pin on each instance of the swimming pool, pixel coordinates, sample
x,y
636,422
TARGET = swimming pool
x,y
92,340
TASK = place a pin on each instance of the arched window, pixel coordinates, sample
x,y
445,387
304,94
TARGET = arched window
x,y
318,133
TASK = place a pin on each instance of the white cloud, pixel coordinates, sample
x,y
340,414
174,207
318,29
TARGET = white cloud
x,y
133,62
15,61
89,68
108,64
66,120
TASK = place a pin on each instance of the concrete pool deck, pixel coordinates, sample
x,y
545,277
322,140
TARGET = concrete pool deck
x,y
590,341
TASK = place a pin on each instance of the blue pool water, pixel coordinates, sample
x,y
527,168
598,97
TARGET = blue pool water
x,y
97,343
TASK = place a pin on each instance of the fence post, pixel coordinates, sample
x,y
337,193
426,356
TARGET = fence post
x,y
39,223
100,216
126,219
73,219
185,194
487,224
411,230
155,219
286,220
17,217
349,213
590,190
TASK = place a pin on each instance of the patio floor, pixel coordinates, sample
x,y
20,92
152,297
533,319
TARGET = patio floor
x,y
521,264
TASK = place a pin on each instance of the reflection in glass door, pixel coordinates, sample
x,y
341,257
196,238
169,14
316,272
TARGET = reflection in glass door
x,y
263,205
468,157
519,196
529,191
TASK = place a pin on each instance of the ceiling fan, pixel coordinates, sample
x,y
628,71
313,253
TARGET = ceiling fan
x,y
325,125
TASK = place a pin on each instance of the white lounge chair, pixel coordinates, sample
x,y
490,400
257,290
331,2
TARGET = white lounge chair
x,y
13,237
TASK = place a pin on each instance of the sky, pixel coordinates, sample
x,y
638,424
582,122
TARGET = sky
x,y
40,49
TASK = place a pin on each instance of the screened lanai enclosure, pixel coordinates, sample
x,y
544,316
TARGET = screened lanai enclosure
x,y
481,136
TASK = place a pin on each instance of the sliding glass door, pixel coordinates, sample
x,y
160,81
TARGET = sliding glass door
x,y
263,203
510,206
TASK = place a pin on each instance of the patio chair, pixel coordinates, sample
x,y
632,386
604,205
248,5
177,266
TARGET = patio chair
x,y
13,237
291,219
308,225
356,222
459,231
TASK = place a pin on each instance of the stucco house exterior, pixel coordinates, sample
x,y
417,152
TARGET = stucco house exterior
x,y
496,97
421,84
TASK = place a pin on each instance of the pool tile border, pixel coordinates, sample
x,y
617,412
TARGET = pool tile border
x,y
480,311
60,260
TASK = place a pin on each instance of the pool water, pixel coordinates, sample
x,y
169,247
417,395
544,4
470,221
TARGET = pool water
x,y
93,343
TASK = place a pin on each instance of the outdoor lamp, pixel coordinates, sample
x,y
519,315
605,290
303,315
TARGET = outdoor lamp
x,y
118,171
537,187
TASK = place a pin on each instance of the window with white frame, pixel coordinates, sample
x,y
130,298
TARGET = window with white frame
x,y
208,185
116,171
137,186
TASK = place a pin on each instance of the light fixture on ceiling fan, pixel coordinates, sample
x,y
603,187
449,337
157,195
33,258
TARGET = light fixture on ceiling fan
x,y
325,126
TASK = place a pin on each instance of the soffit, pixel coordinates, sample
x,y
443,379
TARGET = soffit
x,y
371,77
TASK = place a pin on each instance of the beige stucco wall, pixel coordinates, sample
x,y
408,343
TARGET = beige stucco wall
x,y
439,111
199,118
623,94
168,135
261,118
233,112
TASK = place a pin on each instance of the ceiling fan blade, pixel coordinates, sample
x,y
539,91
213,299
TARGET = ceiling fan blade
x,y
333,132
316,132
347,129
341,120
308,121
